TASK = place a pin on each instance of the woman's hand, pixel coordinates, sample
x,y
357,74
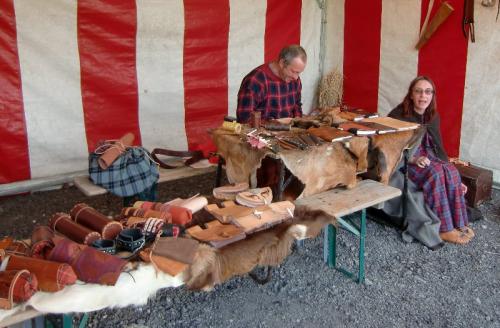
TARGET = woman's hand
x,y
422,161
464,188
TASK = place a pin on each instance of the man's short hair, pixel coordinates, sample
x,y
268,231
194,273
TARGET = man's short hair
x,y
292,51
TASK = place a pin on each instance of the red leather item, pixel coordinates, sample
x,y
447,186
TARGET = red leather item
x,y
41,241
62,223
115,150
89,264
51,276
16,286
89,217
180,215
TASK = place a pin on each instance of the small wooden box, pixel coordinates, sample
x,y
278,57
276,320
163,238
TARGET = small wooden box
x,y
478,181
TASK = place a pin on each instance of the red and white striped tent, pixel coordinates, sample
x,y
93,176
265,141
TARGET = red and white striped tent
x,y
73,72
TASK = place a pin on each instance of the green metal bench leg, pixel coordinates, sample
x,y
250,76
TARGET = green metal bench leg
x,y
362,235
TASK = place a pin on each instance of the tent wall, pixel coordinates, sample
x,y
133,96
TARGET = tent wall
x,y
76,72
467,75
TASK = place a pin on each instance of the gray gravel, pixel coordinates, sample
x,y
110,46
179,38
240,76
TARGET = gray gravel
x,y
407,285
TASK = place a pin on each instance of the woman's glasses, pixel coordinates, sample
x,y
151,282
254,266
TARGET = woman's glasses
x,y
419,91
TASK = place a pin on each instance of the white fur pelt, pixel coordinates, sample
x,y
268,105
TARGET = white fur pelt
x,y
82,297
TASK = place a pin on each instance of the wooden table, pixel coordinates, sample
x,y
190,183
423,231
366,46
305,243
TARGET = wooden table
x,y
341,203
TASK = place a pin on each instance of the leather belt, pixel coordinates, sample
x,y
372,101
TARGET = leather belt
x,y
194,156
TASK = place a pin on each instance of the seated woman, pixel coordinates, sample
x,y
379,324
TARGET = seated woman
x,y
438,211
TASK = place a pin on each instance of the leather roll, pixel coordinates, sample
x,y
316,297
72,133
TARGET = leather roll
x,y
16,286
41,241
89,217
89,264
139,212
62,223
115,150
180,215
51,276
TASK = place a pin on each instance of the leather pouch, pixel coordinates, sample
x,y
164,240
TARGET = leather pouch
x,y
255,197
261,220
16,286
89,264
89,217
51,276
229,192
62,223
230,211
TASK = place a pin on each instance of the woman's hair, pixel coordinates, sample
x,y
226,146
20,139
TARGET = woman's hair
x,y
407,103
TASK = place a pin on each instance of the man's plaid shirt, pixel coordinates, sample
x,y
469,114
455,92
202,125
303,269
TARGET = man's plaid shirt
x,y
262,90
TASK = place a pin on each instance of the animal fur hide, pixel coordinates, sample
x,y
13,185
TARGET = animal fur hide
x,y
133,288
267,248
386,151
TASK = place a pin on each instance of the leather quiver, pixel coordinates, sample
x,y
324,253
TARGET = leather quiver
x,y
89,264
41,241
115,150
11,246
16,286
89,217
62,223
51,276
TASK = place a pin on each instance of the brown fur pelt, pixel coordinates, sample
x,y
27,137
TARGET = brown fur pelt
x,y
329,165
267,248
241,160
330,115
386,152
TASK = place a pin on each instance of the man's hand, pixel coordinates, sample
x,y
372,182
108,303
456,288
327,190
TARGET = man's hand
x,y
464,188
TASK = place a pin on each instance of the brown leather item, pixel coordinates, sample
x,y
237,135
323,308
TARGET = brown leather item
x,y
163,264
441,15
11,246
260,220
16,286
230,211
115,150
89,264
194,156
479,182
139,212
178,249
89,217
276,126
41,241
217,234
330,134
62,223
468,20
51,276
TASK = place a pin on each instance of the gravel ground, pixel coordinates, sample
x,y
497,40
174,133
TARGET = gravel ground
x,y
407,285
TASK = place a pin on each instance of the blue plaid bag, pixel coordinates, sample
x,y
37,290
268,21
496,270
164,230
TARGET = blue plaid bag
x,y
130,174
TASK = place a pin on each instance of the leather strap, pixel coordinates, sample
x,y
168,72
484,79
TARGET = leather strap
x,y
195,156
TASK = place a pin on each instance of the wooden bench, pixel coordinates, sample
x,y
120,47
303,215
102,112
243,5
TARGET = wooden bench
x,y
88,188
341,203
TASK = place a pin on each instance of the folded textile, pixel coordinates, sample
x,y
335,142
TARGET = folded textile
x,y
16,286
52,276
89,217
112,150
260,220
229,192
89,264
217,234
255,197
62,223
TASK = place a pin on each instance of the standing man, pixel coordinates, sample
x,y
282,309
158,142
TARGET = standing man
x,y
274,88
